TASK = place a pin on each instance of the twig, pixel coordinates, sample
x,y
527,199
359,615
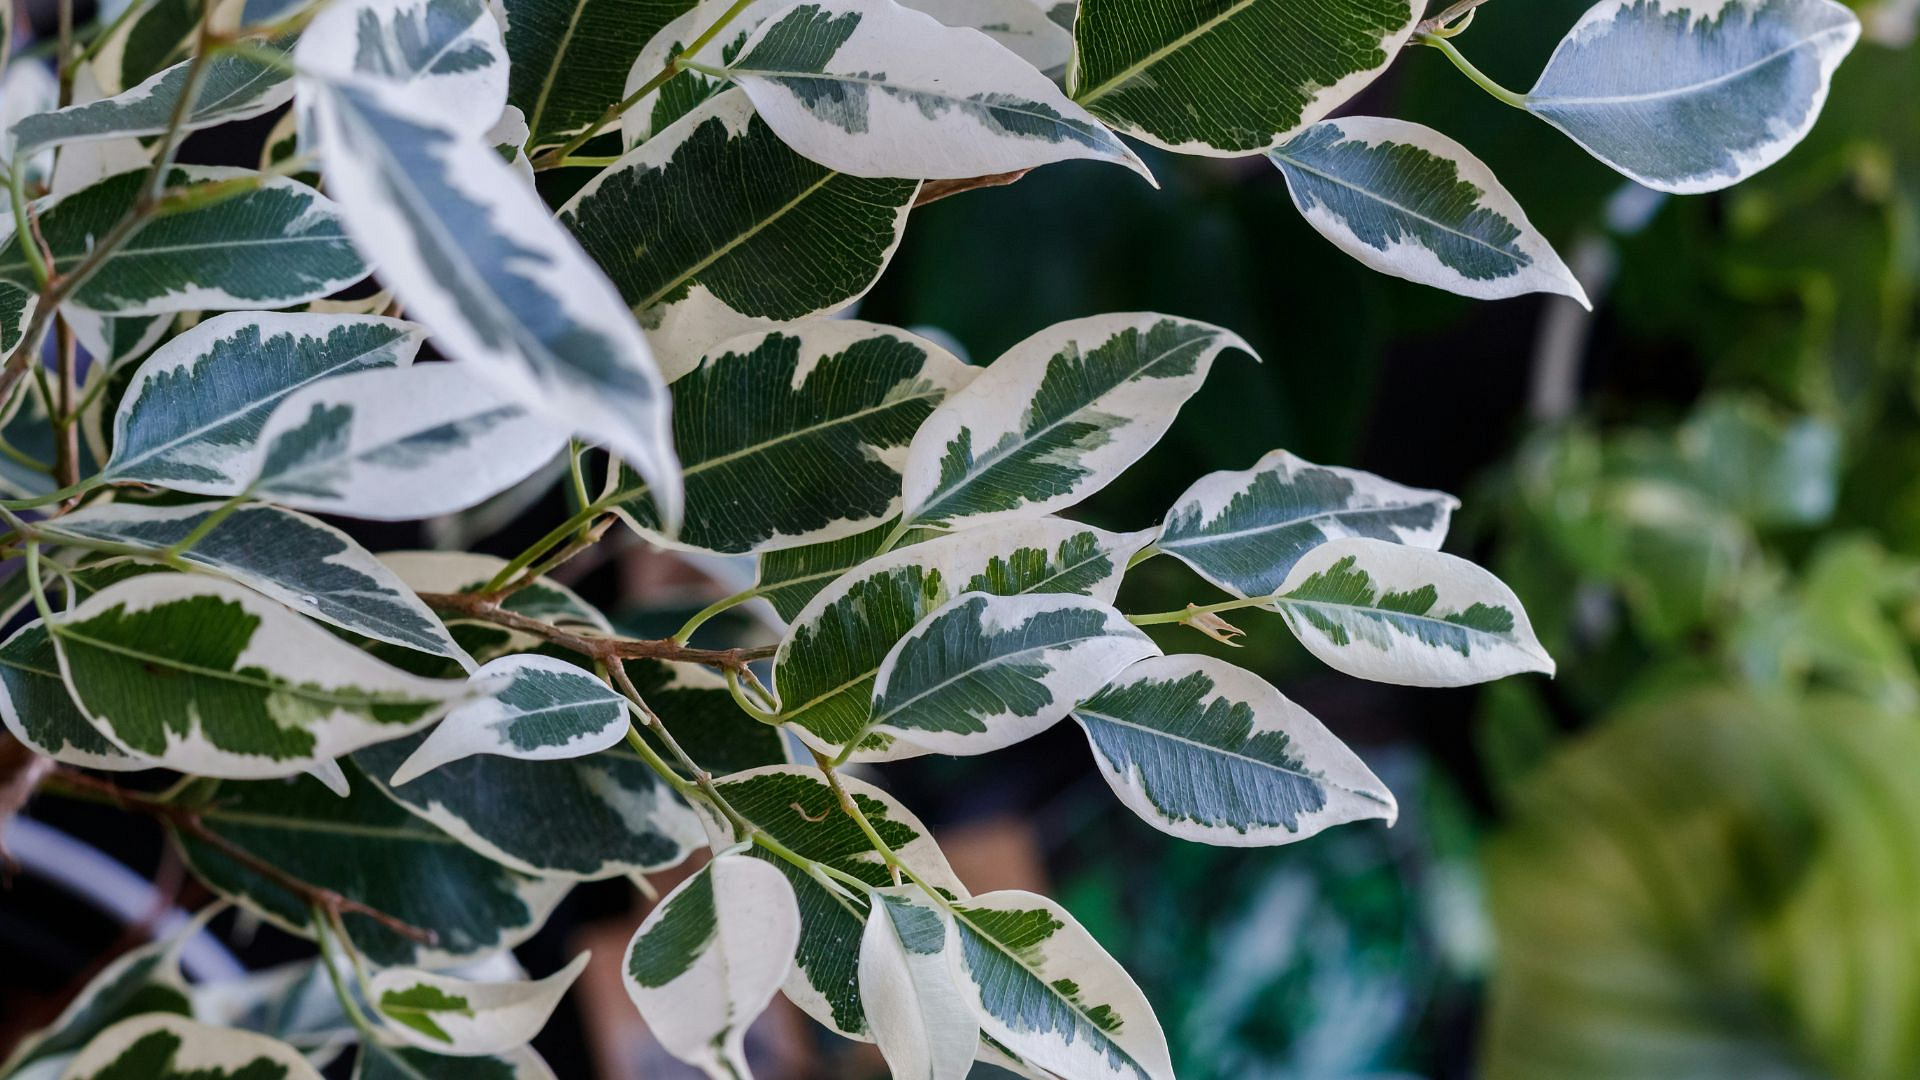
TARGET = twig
x,y
21,772
1448,15
935,190
186,819
599,647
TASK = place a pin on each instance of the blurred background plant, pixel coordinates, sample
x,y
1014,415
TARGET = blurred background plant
x,y
1694,854
1697,852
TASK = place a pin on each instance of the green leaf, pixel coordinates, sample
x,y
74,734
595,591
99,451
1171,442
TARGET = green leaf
x,y
397,444
1057,417
985,672
1243,531
169,431
600,816
708,959
1397,614
446,56
1693,95
825,669
306,564
160,1046
466,1018
467,244
143,980
154,35
796,437
1223,78
39,712
278,245
233,87
715,226
871,88
795,806
1041,985
1206,751
1408,201
535,708
210,678
915,1012
571,57
368,849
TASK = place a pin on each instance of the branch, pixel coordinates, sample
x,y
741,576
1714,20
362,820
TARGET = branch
x,y
486,609
934,190
187,819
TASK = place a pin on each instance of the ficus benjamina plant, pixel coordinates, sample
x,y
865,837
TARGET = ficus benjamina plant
x,y
410,757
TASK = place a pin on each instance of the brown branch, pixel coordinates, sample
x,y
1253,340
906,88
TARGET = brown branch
x,y
597,646
1448,16
186,819
934,190
21,772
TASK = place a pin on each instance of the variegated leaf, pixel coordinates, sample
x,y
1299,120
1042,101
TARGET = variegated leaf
x,y
1020,25
1243,531
796,807
915,1012
601,816
1693,95
465,1018
162,1046
169,431
1042,986
984,672
210,678
399,443
1408,201
715,227
655,110
571,57
368,849
1206,751
27,89
471,250
870,88
1057,417
708,959
143,980
1405,615
382,1061
825,669
154,34
1229,78
232,87
278,245
308,565
790,577
797,436
535,708
39,712
445,56
698,710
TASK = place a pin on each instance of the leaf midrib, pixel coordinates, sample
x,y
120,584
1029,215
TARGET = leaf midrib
x,y
1204,539
298,689
997,660
1134,69
688,275
1158,733
1511,256
1389,615
1690,88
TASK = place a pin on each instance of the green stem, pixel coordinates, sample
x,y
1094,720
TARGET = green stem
x,y
330,958
1143,555
207,525
36,588
673,67
1480,79
540,547
98,40
585,161
51,497
1184,614
23,225
746,703
686,631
